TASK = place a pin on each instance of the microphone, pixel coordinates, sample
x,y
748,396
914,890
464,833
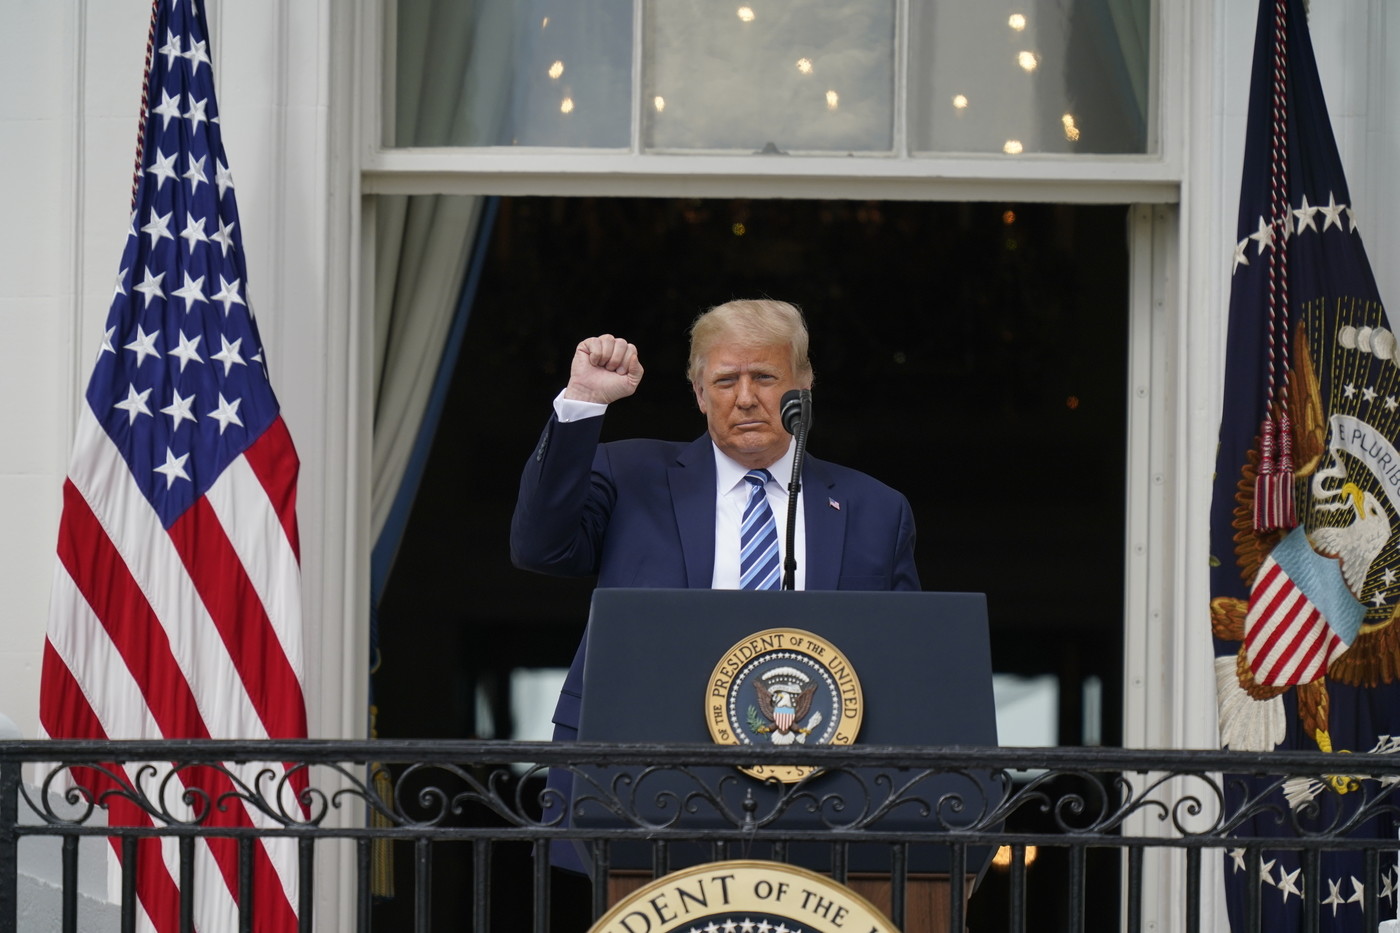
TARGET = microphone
x,y
797,410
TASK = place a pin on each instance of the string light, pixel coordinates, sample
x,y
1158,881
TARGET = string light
x,y
832,100
544,23
1027,60
746,14
1016,21
659,103
556,69
804,65
566,105
960,101
1071,131
1012,147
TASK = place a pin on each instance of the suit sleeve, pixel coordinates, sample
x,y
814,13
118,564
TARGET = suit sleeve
x,y
906,573
565,502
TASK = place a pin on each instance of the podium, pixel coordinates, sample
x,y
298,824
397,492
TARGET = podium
x,y
924,665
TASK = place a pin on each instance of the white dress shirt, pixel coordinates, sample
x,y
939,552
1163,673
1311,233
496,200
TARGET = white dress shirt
x,y
731,498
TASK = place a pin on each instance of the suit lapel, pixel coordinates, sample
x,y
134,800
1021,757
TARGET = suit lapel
x,y
826,526
692,480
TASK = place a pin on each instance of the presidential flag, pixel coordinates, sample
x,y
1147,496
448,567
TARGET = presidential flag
x,y
1305,572
176,608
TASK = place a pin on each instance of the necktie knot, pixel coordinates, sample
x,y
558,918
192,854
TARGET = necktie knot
x,y
757,478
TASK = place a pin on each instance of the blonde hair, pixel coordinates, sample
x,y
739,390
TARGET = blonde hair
x,y
751,322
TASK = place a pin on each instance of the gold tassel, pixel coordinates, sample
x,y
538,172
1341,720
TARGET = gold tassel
x,y
381,850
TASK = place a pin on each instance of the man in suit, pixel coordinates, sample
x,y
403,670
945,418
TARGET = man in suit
x,y
647,513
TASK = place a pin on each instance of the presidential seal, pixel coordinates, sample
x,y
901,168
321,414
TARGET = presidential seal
x,y
744,896
783,687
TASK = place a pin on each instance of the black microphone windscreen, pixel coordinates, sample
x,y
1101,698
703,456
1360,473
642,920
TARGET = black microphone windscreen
x,y
792,409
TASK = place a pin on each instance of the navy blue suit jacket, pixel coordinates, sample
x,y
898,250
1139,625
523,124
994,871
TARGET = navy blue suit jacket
x,y
641,513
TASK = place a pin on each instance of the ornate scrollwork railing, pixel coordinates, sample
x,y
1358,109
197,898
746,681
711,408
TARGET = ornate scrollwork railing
x,y
491,793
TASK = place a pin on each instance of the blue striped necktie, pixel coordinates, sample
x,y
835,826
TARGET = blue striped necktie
x,y
758,538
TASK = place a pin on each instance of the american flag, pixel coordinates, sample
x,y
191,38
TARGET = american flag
x,y
1305,558
176,608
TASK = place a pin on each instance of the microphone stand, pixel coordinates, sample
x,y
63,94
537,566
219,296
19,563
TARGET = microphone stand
x,y
799,453
794,487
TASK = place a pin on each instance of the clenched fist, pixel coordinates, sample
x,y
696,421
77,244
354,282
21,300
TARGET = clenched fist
x,y
604,369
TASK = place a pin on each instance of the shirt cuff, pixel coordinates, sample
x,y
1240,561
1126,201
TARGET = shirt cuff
x,y
572,409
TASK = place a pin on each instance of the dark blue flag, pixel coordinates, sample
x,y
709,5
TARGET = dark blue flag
x,y
1305,572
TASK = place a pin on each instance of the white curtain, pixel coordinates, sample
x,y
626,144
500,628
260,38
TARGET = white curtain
x,y
453,80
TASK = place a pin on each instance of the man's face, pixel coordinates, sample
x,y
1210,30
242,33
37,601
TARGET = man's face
x,y
740,390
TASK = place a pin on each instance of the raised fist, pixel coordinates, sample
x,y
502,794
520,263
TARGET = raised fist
x,y
604,369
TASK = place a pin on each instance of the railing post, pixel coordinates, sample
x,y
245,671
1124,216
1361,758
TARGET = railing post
x,y
9,845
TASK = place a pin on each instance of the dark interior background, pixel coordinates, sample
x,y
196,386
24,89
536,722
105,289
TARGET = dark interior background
x,y
971,355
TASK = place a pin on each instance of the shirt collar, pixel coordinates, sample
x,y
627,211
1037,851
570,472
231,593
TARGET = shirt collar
x,y
729,474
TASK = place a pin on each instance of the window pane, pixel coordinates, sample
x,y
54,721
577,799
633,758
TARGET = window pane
x,y
756,75
1030,76
523,73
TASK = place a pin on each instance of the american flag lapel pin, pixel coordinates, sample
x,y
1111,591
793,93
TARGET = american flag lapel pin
x,y
833,503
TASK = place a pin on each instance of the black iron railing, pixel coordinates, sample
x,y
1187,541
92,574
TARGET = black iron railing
x,y
472,823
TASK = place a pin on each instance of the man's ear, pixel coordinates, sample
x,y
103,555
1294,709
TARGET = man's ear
x,y
699,396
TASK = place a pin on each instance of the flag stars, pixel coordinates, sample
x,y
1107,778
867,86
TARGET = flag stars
x,y
169,107
196,113
173,468
144,345
1266,870
163,168
226,413
159,227
1358,891
1351,218
150,286
228,354
1388,576
196,174
197,54
1332,212
1390,403
188,350
1388,886
1305,215
1240,258
134,404
225,236
222,177
1378,599
192,292
227,295
179,410
119,287
1349,391
171,49
1334,895
194,232
1264,236
107,343
1368,393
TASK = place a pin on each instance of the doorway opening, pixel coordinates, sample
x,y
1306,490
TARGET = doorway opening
x,y
973,356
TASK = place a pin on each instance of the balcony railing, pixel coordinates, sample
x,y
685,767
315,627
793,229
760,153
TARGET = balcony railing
x,y
468,817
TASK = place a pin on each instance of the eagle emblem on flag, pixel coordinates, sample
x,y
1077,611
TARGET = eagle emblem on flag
x,y
1323,599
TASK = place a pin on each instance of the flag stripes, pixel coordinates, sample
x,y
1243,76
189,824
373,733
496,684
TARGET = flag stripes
x,y
176,608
